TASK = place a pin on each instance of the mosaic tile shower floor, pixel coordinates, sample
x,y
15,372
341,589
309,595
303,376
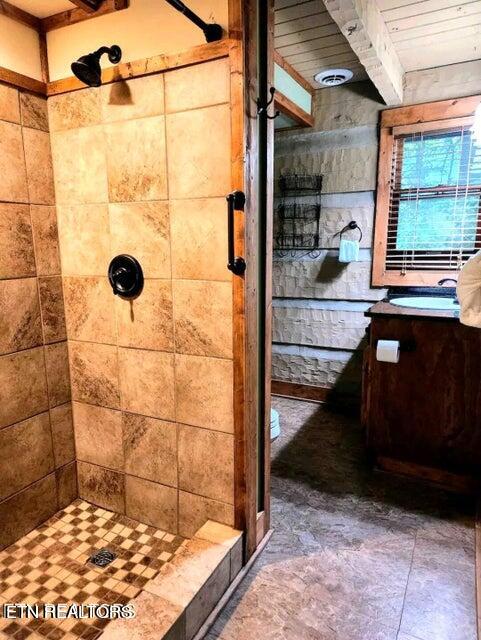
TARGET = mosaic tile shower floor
x,y
51,565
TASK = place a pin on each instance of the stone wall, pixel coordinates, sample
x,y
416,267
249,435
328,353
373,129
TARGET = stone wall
x,y
319,304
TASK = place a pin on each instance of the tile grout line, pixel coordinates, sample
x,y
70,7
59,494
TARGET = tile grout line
x,y
477,567
407,584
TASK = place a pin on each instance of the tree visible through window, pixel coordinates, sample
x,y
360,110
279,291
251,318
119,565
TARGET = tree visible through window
x,y
437,192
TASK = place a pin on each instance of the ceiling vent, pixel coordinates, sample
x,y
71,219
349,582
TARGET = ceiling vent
x,y
333,77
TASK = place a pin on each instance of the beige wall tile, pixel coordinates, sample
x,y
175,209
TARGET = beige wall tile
x,y
203,318
84,239
196,165
204,255
74,110
20,323
195,510
147,383
141,229
80,166
9,104
38,160
197,86
25,454
213,480
58,376
89,309
24,385
94,374
63,439
204,392
67,490
98,436
150,448
136,160
102,487
147,321
129,99
13,186
45,237
151,503
34,111
26,510
17,257
53,314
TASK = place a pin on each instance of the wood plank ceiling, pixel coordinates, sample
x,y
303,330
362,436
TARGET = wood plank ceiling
x,y
425,34
433,33
308,38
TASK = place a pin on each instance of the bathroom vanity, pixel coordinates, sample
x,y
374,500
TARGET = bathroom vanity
x,y
423,414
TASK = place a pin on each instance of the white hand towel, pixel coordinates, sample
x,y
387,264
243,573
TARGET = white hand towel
x,y
348,250
469,291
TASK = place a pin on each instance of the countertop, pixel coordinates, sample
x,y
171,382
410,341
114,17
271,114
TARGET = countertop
x,y
387,310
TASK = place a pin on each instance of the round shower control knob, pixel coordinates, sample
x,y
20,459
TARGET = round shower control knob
x,y
126,276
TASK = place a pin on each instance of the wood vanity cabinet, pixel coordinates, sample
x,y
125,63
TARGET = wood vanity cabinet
x,y
423,415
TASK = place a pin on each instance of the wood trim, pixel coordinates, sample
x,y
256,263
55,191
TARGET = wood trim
x,y
42,42
430,111
20,81
457,483
148,66
435,125
244,460
291,109
303,391
386,146
279,60
268,284
10,11
90,6
73,16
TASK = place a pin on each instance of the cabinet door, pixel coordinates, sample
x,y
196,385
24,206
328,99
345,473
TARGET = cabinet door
x,y
427,408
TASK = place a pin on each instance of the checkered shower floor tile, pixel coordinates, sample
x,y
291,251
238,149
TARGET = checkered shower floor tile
x,y
51,565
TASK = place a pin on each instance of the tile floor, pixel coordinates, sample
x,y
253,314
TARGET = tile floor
x,y
355,554
51,565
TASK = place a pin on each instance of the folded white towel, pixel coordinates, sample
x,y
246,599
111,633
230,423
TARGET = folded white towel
x,y
348,250
469,291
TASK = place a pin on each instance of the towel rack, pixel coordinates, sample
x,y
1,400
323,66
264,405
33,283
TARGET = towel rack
x,y
350,227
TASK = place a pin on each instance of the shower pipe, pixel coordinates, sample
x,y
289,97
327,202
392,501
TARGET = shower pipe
x,y
212,32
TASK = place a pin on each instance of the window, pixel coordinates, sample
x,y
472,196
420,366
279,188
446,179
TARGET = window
x,y
428,218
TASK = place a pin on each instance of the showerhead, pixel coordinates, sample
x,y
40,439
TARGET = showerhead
x,y
87,68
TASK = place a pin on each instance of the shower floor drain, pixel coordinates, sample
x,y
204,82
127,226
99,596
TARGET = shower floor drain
x,y
102,558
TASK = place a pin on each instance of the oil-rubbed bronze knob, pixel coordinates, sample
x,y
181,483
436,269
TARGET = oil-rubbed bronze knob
x,y
126,276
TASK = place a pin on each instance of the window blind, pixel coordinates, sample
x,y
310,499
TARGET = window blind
x,y
434,218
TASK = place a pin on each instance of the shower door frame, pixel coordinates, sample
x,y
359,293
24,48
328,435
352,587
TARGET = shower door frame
x,y
252,329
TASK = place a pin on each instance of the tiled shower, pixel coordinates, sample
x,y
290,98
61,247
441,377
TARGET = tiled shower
x,y
116,415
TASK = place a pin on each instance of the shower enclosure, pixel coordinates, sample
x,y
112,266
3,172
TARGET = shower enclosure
x,y
128,423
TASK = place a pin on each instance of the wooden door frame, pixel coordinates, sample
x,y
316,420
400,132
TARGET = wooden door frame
x,y
244,91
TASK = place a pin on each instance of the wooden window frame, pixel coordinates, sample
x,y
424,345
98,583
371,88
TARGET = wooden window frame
x,y
403,120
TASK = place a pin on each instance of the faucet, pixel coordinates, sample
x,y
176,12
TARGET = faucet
x,y
443,282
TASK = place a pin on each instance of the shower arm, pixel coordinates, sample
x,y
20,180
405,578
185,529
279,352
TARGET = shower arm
x,y
212,32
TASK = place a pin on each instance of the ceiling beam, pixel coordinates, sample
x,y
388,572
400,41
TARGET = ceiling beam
x,y
90,6
72,16
362,24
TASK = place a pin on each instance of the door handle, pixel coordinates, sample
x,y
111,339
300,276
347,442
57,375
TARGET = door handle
x,y
235,202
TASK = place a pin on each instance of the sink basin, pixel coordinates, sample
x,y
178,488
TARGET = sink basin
x,y
424,302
